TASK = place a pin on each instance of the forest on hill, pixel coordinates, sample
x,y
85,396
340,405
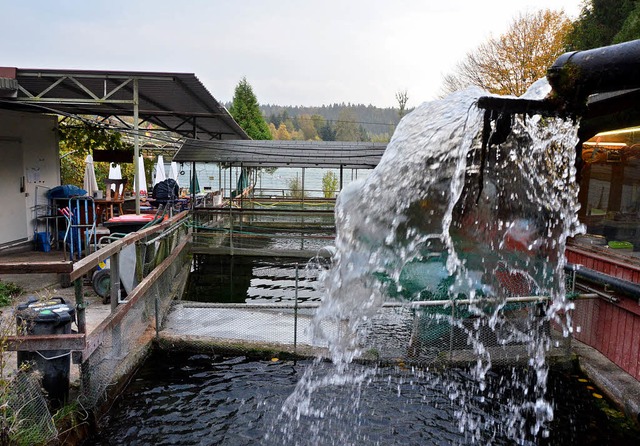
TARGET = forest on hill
x,y
336,122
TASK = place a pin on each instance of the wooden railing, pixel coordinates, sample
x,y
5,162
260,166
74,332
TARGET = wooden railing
x,y
76,271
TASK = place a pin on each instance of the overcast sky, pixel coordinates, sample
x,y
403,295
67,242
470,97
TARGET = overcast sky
x,y
291,52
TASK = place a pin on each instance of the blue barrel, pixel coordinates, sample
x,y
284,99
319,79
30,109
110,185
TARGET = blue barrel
x,y
47,317
43,241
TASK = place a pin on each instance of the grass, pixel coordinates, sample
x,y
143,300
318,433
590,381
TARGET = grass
x,y
8,291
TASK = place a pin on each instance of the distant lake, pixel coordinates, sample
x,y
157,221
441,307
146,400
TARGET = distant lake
x,y
277,183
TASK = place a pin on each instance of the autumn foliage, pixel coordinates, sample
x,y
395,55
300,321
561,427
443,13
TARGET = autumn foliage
x,y
510,63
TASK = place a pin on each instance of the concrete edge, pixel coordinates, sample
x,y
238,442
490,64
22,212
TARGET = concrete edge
x,y
620,387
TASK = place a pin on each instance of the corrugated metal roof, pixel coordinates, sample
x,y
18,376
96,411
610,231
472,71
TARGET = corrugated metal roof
x,y
356,155
174,101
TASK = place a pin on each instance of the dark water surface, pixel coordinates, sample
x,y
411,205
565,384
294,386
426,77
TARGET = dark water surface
x,y
243,279
200,399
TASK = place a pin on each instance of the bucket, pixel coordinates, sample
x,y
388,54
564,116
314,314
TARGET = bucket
x,y
43,241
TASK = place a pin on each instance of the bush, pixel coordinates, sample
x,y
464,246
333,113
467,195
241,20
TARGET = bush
x,y
8,291
329,184
295,188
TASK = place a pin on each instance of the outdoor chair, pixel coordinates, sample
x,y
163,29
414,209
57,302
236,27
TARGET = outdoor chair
x,y
114,197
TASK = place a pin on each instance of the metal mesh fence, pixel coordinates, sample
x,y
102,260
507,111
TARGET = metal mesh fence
x,y
398,331
124,340
266,226
26,416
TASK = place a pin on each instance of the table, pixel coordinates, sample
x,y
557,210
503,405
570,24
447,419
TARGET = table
x,y
101,207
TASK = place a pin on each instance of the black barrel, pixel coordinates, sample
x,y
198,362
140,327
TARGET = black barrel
x,y
576,75
47,317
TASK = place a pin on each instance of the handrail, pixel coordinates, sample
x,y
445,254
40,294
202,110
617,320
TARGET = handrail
x,y
85,265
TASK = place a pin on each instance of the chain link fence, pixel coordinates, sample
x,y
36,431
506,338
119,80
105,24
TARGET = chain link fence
x,y
26,419
117,347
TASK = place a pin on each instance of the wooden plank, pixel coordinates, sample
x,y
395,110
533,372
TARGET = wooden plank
x,y
619,322
627,342
97,336
46,342
58,267
608,329
634,354
602,340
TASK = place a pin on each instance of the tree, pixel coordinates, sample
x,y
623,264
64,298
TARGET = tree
x,y
282,134
246,111
77,139
510,63
346,127
308,128
327,132
329,184
604,22
402,97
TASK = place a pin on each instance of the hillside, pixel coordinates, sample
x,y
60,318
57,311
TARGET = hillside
x,y
376,121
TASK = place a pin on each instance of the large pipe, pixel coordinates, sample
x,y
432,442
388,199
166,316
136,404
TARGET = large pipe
x,y
576,75
622,286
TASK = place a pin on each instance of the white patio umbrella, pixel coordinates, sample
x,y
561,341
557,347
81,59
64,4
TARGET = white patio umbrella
x,y
115,173
160,175
173,172
90,183
142,178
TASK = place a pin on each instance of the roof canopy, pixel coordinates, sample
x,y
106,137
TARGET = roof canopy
x,y
177,102
355,155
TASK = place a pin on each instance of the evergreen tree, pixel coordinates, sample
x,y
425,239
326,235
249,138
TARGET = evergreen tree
x,y
246,111
346,127
604,22
327,132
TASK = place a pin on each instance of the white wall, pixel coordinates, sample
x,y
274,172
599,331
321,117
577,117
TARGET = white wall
x,y
36,134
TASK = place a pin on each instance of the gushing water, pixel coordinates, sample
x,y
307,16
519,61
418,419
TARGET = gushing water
x,y
445,217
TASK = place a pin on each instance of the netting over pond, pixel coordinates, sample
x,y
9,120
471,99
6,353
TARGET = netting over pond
x,y
247,303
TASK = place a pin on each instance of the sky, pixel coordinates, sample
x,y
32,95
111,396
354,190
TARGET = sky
x,y
291,52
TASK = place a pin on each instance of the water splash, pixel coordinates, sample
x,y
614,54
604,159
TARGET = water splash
x,y
444,218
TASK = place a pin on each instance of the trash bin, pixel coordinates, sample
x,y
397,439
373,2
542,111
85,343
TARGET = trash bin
x,y
48,317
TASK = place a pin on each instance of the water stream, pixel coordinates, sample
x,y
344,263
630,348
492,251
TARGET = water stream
x,y
443,217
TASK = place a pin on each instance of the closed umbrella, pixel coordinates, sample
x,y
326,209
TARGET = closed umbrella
x,y
90,183
173,172
115,173
160,175
142,178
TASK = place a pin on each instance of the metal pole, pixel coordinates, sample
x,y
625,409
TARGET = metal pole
x,y
114,265
230,209
341,174
157,317
193,184
136,144
295,314
453,315
80,305
303,170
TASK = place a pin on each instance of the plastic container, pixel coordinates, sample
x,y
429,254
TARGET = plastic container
x,y
43,241
49,317
621,246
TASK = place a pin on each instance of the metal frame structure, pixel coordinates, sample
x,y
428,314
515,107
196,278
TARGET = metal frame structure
x,y
355,155
169,102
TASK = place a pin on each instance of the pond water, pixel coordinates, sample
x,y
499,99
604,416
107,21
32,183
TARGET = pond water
x,y
200,399
243,279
